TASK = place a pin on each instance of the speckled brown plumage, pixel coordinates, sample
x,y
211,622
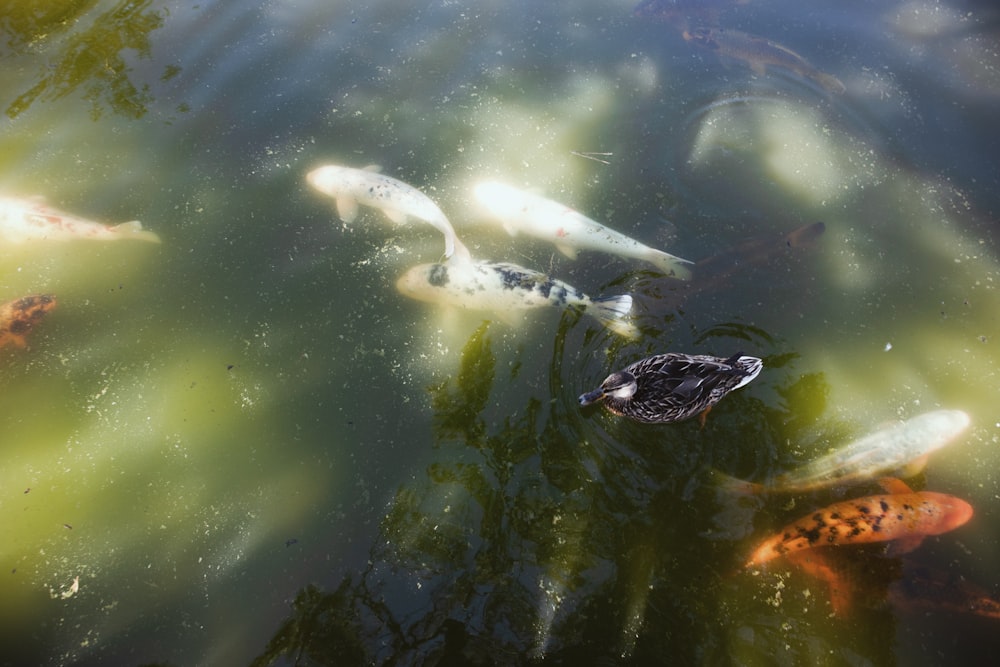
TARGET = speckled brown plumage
x,y
672,387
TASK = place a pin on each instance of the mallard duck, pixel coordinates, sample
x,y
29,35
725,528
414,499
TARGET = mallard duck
x,y
672,387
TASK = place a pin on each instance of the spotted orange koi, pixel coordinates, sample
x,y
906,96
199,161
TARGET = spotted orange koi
x,y
901,516
19,317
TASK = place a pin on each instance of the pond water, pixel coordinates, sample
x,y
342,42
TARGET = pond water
x,y
244,446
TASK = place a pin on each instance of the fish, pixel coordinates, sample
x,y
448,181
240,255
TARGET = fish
x,y
19,317
901,516
503,287
352,187
569,230
886,450
922,589
24,220
719,268
760,53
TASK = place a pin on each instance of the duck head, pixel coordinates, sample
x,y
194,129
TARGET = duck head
x,y
620,385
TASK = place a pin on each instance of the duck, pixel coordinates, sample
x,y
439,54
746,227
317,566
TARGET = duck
x,y
673,387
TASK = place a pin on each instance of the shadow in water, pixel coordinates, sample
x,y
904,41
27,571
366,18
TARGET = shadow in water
x,y
541,537
93,59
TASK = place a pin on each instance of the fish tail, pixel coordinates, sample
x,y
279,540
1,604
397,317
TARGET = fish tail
x,y
133,229
612,311
671,264
454,248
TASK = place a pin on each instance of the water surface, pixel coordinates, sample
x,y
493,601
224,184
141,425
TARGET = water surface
x,y
251,449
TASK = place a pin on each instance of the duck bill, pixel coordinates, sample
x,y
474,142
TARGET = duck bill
x,y
591,397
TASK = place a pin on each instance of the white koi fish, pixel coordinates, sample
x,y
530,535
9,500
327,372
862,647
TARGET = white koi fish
x,y
399,201
31,220
568,229
884,451
502,287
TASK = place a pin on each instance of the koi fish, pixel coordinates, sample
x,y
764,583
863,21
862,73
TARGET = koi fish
x,y
568,229
398,201
30,220
878,453
901,516
719,268
922,588
18,318
760,53
479,285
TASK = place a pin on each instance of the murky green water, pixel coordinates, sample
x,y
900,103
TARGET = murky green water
x,y
249,448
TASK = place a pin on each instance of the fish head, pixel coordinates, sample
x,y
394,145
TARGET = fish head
x,y
953,512
943,425
328,179
424,282
502,201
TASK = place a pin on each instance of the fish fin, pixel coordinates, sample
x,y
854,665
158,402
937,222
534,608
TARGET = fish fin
x,y
373,168
133,229
510,229
8,338
670,264
893,485
914,467
734,485
347,208
397,216
612,311
903,545
569,251
816,564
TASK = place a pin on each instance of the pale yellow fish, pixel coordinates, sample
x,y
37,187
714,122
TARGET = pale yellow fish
x,y
887,450
523,212
352,187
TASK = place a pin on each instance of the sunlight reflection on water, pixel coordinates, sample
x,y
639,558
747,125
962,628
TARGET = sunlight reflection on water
x,y
205,429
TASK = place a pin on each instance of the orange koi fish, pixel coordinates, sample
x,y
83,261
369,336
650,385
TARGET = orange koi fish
x,y
30,220
902,516
18,317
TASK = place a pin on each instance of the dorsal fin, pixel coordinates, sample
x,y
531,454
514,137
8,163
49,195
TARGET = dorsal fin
x,y
893,485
